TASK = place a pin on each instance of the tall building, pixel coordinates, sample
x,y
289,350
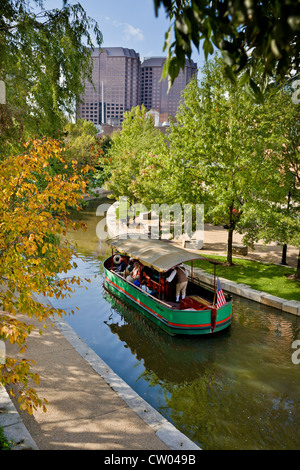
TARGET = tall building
x,y
154,91
116,87
122,81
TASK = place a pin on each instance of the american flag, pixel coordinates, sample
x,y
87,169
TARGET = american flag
x,y
220,296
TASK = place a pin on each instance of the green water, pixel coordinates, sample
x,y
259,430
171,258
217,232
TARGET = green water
x,y
236,390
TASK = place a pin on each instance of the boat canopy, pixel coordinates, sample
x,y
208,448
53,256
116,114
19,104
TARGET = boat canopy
x,y
161,255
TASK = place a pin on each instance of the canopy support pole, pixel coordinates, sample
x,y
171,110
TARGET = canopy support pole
x,y
215,290
159,287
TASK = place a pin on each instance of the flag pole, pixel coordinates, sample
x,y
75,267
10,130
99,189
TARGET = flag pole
x,y
214,285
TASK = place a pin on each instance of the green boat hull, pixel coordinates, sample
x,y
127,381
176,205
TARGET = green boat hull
x,y
173,321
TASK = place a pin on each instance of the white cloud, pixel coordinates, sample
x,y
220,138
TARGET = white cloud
x,y
129,31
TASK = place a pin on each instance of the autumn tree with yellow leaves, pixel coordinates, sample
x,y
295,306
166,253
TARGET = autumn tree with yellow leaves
x,y
44,61
38,189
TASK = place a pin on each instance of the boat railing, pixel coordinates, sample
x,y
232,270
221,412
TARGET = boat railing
x,y
207,287
139,288
199,283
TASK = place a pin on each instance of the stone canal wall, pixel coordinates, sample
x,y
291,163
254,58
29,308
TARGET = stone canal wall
x,y
243,290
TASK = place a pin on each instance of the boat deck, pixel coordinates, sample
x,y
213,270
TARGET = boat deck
x,y
196,314
174,305
192,301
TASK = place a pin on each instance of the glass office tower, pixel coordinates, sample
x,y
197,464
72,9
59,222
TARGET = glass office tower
x,y
122,81
154,91
116,87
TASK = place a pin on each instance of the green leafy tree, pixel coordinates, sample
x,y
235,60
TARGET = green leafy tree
x,y
224,150
81,141
131,153
251,36
87,147
276,217
45,56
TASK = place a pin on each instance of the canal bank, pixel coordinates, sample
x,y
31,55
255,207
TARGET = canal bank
x,y
243,290
91,407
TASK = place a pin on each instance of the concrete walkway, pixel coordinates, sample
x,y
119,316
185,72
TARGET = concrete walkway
x,y
90,407
215,242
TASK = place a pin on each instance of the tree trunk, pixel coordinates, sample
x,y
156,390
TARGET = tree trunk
x,y
229,246
298,267
231,227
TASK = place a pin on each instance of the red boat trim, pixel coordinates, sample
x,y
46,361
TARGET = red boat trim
x,y
136,300
181,325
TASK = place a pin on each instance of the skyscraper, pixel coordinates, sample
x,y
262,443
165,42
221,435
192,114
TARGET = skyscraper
x,y
117,89
154,91
122,82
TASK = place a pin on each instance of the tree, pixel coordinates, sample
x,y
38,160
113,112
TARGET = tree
x,y
276,216
81,142
130,153
45,57
251,36
34,205
224,150
87,147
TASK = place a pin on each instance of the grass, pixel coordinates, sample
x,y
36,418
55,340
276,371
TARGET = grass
x,y
264,277
4,443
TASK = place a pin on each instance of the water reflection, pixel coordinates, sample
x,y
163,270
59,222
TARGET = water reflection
x,y
236,390
233,391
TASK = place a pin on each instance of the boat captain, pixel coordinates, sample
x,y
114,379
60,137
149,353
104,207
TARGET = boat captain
x,y
181,280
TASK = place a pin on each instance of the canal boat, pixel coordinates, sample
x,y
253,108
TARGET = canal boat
x,y
200,312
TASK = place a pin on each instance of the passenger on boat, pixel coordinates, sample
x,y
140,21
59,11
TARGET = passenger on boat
x,y
129,268
147,289
181,281
121,267
135,274
147,271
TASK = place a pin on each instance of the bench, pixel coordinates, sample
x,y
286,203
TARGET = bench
x,y
194,302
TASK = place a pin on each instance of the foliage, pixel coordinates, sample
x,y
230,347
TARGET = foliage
x,y
276,216
34,205
45,56
88,148
81,142
101,175
132,153
4,443
216,147
250,35
226,151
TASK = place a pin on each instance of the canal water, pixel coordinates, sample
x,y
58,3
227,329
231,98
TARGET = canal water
x,y
239,389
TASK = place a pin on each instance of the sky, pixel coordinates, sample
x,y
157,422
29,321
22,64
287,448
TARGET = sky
x,y
128,23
